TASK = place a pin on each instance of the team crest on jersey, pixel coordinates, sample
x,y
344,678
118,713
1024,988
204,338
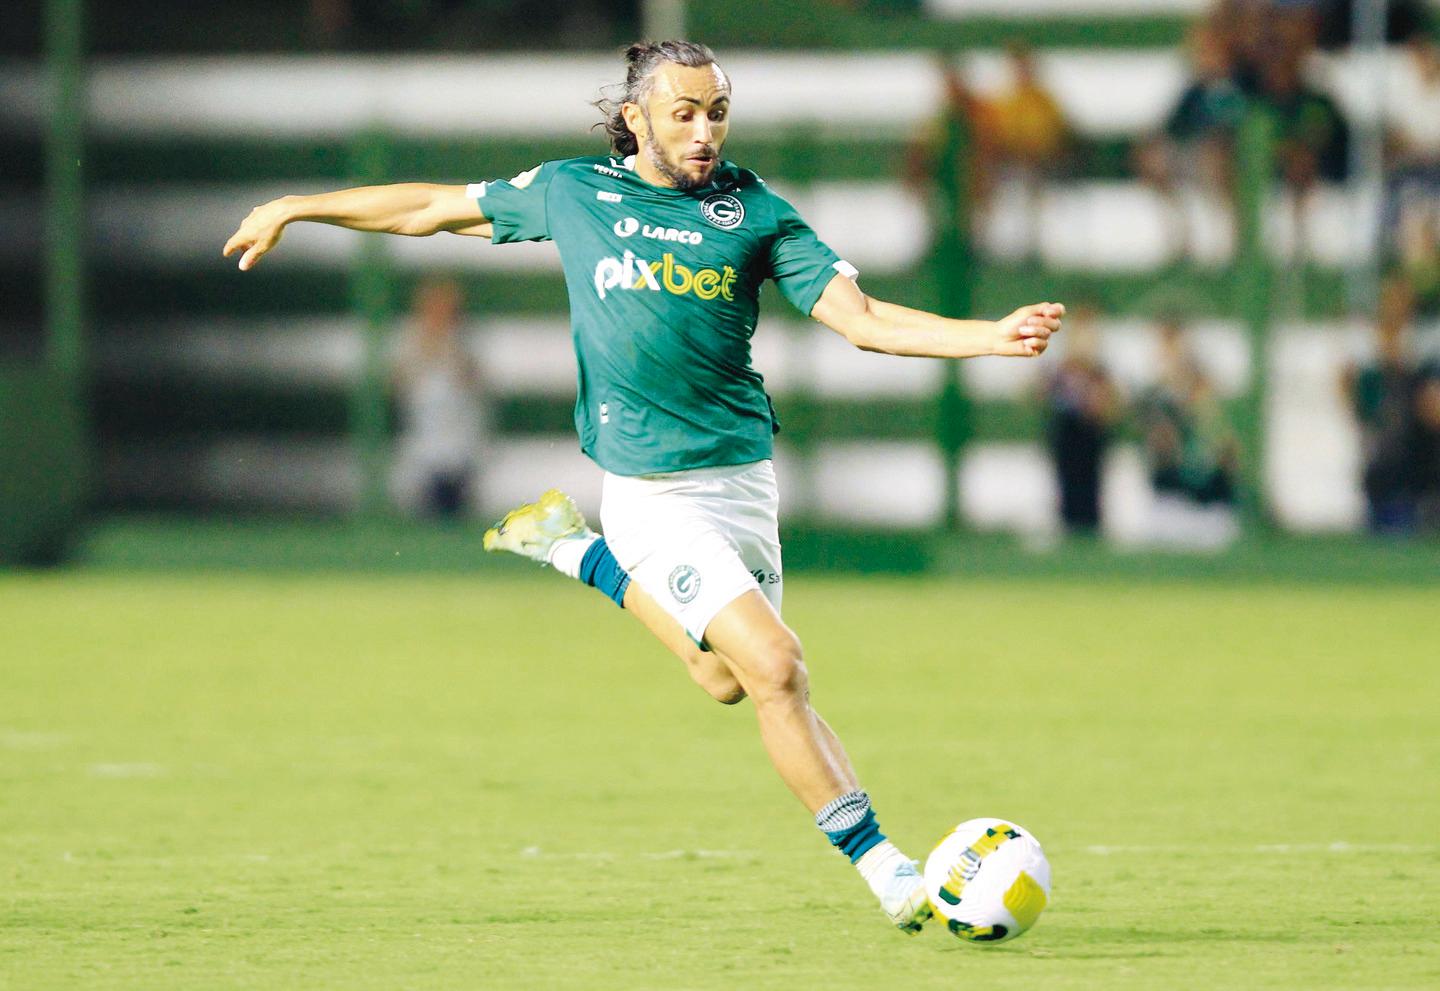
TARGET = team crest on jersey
x,y
722,210
684,584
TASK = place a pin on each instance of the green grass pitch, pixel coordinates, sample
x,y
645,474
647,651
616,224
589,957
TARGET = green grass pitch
x,y
225,782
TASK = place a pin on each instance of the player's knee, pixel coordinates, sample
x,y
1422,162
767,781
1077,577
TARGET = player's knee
x,y
729,692
711,674
778,670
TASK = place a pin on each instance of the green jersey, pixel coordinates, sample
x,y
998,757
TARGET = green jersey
x,y
664,290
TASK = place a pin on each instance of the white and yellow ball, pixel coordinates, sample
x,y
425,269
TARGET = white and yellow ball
x,y
988,881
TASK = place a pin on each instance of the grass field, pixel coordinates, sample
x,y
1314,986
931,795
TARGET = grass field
x,y
223,782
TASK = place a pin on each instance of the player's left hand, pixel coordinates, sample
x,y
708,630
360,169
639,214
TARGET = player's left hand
x,y
1026,332
259,232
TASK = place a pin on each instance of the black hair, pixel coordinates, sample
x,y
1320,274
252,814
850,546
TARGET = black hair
x,y
641,61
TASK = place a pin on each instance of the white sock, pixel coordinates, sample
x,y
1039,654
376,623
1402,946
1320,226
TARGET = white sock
x,y
878,865
566,555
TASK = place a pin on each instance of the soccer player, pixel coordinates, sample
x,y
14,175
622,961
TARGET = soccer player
x,y
665,247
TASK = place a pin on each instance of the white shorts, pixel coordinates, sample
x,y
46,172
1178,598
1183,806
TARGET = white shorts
x,y
697,540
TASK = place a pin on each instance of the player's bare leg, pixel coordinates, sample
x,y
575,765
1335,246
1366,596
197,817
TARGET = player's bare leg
x,y
766,658
752,651
552,530
710,669
796,737
705,667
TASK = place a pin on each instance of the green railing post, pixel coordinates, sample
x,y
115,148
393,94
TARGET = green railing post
x,y
1253,280
953,265
372,303
45,447
65,195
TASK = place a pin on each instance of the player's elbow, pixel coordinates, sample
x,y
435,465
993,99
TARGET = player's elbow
x,y
418,224
850,313
867,332
864,328
431,215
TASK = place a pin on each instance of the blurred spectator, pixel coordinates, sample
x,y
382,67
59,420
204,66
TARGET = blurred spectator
x,y
1212,106
925,156
1250,29
1192,451
1391,409
1018,138
1425,446
1311,135
1030,129
1412,209
1028,144
1197,143
1244,52
1084,406
437,382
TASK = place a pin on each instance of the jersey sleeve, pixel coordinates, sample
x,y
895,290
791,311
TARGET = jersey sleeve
x,y
801,264
517,207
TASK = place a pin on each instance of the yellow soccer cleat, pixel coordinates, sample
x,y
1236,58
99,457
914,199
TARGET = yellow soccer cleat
x,y
535,528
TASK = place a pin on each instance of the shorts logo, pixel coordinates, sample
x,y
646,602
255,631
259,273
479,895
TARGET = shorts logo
x,y
722,210
684,583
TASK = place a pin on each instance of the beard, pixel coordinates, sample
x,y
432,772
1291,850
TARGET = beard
x,y
682,180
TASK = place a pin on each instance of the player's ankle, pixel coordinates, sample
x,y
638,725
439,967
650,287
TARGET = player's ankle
x,y
567,554
879,865
850,825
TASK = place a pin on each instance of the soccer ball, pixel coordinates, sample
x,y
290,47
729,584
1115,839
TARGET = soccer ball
x,y
988,880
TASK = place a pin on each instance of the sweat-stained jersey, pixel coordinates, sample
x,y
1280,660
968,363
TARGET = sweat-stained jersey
x,y
664,289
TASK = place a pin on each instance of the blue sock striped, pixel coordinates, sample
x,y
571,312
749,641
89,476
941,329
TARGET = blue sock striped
x,y
599,569
849,824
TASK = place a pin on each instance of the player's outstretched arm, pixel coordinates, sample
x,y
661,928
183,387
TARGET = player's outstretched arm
x,y
875,325
416,209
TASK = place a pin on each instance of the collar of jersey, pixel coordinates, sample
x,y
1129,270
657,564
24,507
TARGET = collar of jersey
x,y
715,185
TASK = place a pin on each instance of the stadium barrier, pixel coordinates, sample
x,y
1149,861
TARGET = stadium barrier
x,y
149,181
44,435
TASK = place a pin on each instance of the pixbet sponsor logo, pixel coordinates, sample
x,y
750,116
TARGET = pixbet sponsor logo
x,y
634,272
629,226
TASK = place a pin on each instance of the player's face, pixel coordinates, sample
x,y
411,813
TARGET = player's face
x,y
686,121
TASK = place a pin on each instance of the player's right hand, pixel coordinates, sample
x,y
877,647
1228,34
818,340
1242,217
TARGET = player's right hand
x,y
1026,332
257,234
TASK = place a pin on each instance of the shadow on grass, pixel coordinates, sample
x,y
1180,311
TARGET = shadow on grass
x,y
1100,942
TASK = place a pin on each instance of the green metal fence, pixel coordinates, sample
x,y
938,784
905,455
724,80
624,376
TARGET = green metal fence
x,y
955,280
44,447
